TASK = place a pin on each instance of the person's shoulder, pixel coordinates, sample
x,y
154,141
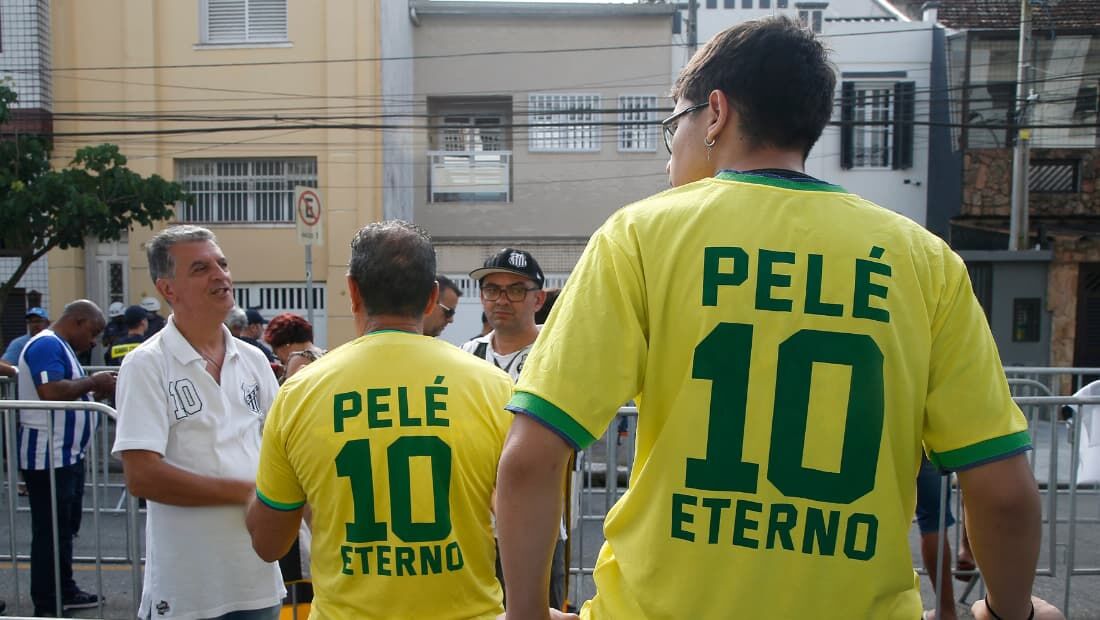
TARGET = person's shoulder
x,y
471,345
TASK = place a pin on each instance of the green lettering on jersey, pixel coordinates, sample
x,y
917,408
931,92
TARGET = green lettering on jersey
x,y
399,456
454,557
404,561
345,560
403,418
431,560
767,279
680,516
345,405
814,305
716,505
376,407
713,276
817,530
865,289
742,523
434,405
782,520
382,557
870,536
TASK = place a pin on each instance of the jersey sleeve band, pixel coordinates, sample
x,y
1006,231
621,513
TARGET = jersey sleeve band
x,y
551,416
270,503
982,452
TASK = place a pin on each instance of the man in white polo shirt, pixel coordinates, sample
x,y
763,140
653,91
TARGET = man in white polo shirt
x,y
191,405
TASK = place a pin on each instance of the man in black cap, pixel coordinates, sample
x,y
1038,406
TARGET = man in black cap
x,y
254,331
136,320
511,293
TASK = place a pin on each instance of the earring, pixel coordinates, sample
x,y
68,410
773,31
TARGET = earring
x,y
709,143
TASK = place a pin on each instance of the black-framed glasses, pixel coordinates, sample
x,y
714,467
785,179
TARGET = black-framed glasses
x,y
515,292
447,312
669,124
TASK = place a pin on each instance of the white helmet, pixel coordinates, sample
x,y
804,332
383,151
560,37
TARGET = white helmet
x,y
115,310
150,304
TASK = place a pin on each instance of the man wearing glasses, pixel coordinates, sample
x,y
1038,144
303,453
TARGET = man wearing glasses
x,y
444,312
511,293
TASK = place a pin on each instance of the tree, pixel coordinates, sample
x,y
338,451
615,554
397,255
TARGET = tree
x,y
95,196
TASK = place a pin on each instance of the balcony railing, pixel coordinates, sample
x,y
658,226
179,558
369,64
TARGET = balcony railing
x,y
466,176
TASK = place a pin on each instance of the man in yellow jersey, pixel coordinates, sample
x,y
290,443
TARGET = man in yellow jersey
x,y
393,439
792,347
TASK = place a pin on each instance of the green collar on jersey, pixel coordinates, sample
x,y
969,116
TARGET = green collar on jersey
x,y
795,181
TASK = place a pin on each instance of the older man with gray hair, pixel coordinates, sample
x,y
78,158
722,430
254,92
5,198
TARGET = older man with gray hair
x,y
191,404
236,321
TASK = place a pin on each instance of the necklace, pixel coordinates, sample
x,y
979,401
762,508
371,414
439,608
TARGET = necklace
x,y
216,365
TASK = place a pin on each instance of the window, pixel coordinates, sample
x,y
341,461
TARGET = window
x,y
240,191
244,21
637,123
712,4
471,133
877,124
780,4
810,19
563,122
746,4
730,4
765,4
1053,176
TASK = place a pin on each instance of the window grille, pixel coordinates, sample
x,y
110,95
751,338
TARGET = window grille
x,y
564,123
637,123
232,191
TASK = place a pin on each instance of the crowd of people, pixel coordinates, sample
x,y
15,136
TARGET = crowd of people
x,y
428,479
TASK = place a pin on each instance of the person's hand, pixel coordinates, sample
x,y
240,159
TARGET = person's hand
x,y
103,383
1043,610
554,615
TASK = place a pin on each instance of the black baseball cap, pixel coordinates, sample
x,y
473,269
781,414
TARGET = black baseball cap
x,y
134,315
511,260
254,316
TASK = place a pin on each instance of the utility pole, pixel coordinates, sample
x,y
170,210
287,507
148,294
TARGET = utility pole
x,y
693,27
1018,224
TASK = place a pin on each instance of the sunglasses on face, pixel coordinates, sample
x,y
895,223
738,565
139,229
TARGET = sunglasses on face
x,y
447,312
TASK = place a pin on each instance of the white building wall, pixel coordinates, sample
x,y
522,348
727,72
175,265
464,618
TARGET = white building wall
x,y
864,39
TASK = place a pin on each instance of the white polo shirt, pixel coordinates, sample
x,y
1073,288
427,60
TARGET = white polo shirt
x,y
199,560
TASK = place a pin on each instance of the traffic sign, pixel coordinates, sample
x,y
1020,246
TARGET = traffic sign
x,y
307,215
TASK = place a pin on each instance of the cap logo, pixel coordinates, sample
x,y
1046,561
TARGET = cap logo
x,y
517,260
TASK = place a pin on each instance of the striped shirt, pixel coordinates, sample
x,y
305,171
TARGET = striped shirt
x,y
45,359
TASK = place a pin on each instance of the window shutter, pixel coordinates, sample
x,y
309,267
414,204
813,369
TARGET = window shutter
x,y
903,124
267,20
225,21
847,111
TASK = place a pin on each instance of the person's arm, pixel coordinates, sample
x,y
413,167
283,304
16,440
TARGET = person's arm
x,y
1004,520
74,389
7,370
529,506
149,476
273,530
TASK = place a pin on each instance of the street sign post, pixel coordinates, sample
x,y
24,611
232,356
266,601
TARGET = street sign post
x,y
307,218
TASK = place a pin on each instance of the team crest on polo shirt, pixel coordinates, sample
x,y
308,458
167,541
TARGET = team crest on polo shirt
x,y
251,394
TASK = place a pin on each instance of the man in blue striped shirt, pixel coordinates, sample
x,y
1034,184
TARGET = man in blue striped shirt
x,y
49,370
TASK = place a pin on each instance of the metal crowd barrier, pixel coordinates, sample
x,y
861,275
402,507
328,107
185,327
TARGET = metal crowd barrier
x,y
96,458
1036,399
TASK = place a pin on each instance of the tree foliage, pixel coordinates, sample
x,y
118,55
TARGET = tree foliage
x,y
95,196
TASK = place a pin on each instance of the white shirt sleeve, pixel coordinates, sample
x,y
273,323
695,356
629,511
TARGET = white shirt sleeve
x,y
143,404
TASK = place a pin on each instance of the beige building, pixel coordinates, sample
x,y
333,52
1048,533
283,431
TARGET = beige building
x,y
539,120
240,101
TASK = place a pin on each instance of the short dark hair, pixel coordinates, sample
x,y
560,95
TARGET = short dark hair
x,y
393,266
777,76
288,328
445,282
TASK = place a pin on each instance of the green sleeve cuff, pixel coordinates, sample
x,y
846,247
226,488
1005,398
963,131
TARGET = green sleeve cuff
x,y
270,503
993,449
555,419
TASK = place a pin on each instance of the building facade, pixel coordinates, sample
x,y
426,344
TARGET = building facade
x,y
240,101
1043,301
538,120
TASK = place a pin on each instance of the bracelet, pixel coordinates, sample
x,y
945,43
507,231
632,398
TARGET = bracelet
x,y
1030,616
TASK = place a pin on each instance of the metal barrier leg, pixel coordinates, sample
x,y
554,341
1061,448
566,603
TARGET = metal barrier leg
x,y
1073,464
93,453
13,485
940,540
53,515
135,551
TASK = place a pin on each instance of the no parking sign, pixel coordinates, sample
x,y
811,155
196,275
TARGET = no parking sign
x,y
307,215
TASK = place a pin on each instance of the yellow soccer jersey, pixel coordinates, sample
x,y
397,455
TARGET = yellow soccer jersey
x,y
791,346
393,439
